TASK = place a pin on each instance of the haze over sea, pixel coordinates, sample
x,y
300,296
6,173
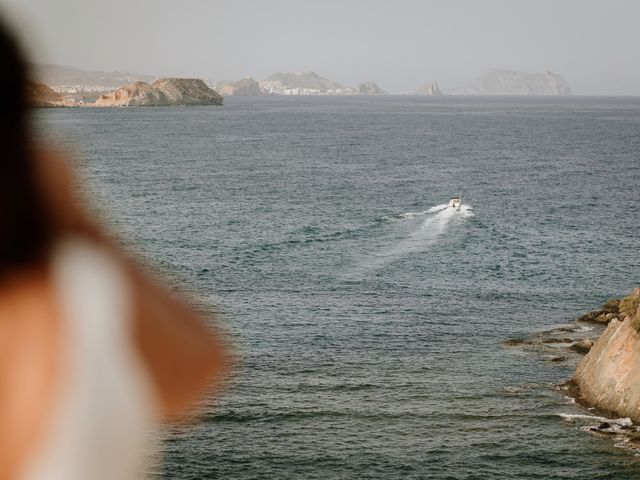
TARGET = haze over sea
x,y
369,320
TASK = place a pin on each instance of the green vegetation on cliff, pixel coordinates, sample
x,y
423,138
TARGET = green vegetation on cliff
x,y
630,306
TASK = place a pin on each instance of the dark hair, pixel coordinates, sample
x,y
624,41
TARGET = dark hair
x,y
25,231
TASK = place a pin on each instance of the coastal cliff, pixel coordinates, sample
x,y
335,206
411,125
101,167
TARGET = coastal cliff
x,y
163,92
41,95
608,377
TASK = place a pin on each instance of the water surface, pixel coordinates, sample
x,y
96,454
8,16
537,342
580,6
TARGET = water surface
x,y
369,321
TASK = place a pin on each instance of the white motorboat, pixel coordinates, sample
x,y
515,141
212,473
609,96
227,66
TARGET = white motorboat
x,y
455,202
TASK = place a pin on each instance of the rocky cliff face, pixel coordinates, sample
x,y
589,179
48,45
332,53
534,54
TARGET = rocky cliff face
x,y
138,94
510,82
609,375
40,95
369,88
429,89
163,92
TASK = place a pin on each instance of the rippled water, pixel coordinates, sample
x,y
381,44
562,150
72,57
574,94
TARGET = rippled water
x,y
369,321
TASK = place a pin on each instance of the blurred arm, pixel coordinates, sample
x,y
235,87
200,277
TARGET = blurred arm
x,y
184,355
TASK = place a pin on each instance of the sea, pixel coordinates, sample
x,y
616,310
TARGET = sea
x,y
367,318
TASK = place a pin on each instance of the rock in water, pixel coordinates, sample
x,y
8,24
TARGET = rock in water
x,y
511,82
582,346
430,89
163,92
608,312
369,88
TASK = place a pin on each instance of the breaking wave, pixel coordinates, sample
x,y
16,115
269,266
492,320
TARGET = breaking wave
x,y
623,422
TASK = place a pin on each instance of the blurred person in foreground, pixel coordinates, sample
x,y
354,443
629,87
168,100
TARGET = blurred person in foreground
x,y
93,353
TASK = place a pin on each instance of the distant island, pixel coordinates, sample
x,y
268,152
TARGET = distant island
x,y
302,83
78,87
495,82
513,82
296,83
163,92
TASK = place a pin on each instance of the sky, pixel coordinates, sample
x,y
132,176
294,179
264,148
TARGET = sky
x,y
399,44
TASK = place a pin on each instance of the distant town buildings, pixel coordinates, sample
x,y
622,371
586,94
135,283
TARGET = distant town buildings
x,y
81,88
277,87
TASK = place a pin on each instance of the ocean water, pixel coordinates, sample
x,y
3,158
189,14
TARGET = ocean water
x,y
367,318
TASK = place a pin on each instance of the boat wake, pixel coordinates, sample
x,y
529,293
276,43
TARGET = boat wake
x,y
437,222
464,211
421,234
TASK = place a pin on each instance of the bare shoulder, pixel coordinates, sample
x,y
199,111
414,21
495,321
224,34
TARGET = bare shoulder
x,y
183,349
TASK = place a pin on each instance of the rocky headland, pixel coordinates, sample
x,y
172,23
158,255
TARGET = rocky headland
x,y
162,93
604,348
512,82
608,377
41,95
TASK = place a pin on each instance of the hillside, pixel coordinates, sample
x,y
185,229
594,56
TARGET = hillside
x,y
41,95
65,76
307,80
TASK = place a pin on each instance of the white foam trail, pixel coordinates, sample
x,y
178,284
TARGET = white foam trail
x,y
623,422
584,328
434,209
413,214
437,208
437,222
575,416
435,225
466,211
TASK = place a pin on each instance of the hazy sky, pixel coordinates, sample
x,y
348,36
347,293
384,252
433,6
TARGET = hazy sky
x,y
400,44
